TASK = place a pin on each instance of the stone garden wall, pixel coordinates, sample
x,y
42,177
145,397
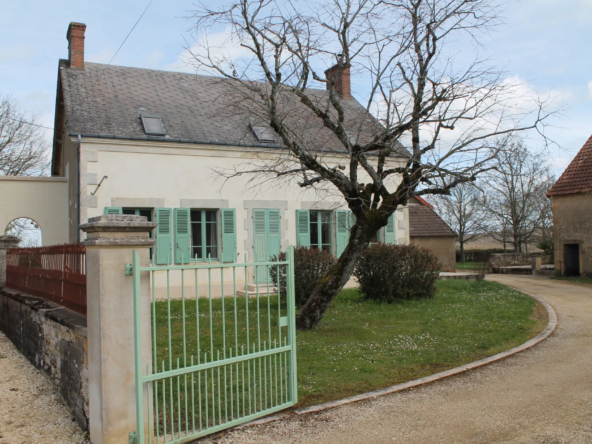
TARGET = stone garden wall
x,y
54,339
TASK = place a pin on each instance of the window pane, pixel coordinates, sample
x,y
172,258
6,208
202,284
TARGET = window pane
x,y
326,233
211,239
129,211
196,215
314,230
374,238
212,252
210,215
147,214
196,237
326,217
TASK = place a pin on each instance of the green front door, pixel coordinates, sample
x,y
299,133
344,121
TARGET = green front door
x,y
266,240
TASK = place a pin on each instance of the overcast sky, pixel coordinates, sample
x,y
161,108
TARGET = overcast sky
x,y
544,42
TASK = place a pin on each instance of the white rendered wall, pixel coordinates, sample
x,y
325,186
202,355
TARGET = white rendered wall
x,y
154,174
43,199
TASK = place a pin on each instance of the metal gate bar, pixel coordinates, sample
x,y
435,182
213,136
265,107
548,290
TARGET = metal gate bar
x,y
249,371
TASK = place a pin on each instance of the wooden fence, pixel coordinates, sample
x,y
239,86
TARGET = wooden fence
x,y
56,273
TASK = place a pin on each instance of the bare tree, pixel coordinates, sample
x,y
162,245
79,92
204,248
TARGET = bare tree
x,y
464,211
446,113
23,149
516,196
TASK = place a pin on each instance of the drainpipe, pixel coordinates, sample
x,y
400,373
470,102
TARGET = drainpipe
x,y
78,190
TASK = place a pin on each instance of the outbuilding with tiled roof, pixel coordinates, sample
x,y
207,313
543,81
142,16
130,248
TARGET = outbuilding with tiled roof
x,y
428,230
572,215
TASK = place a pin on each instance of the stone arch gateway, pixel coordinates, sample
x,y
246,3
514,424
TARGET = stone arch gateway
x,y
42,199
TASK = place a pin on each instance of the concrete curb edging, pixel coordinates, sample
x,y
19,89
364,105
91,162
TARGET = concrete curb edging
x,y
551,326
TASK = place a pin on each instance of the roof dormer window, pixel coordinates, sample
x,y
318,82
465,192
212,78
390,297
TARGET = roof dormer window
x,y
152,125
264,134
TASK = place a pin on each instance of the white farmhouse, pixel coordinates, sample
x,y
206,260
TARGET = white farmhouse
x,y
148,142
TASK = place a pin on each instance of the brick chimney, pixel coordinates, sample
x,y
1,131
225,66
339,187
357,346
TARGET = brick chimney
x,y
75,38
342,81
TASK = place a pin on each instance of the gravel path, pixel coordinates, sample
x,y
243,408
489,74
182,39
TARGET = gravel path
x,y
30,409
543,395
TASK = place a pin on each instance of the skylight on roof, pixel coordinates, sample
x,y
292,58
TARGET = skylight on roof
x,y
152,125
264,134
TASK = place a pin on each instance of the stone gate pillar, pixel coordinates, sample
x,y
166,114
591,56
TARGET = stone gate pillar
x,y
5,243
109,246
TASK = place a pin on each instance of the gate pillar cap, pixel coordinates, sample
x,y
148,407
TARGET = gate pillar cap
x,y
118,231
9,241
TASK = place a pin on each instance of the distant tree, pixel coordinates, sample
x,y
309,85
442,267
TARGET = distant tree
x,y
23,149
464,211
516,196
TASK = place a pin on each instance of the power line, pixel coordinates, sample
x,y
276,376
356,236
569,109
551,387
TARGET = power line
x,y
28,123
100,75
120,46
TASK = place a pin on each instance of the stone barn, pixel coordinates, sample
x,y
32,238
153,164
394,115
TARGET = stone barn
x,y
428,230
572,215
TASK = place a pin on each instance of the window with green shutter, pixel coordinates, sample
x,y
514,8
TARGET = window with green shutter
x,y
147,213
113,210
266,239
182,236
228,235
204,234
390,234
303,228
343,223
320,230
164,236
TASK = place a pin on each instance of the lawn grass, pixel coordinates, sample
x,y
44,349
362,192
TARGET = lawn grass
x,y
359,345
469,266
363,345
578,279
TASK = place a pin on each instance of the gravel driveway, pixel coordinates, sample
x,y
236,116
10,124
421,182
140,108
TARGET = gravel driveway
x,y
30,409
543,395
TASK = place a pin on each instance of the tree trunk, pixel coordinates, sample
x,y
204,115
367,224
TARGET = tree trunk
x,y
330,286
462,252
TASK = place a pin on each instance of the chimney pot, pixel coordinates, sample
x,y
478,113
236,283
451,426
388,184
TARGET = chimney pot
x,y
75,38
342,80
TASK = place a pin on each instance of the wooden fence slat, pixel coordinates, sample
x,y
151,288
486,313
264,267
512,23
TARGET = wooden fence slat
x,y
56,273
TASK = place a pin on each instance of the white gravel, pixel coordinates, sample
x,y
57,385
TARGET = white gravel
x,y
543,395
31,411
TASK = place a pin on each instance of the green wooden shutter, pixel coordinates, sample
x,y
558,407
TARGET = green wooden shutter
x,y
164,235
182,235
228,235
113,210
259,235
343,220
390,234
274,243
260,243
303,228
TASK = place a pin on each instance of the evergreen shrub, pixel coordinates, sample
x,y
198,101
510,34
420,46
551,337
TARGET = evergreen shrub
x,y
397,272
310,265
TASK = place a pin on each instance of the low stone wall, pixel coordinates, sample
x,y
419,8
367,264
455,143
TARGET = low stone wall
x,y
509,259
54,339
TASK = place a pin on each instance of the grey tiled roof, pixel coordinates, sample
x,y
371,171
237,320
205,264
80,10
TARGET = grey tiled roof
x,y
424,222
107,100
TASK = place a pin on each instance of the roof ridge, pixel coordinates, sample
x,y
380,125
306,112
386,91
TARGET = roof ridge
x,y
577,177
166,71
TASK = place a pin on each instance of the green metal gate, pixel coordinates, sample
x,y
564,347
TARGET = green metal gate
x,y
217,361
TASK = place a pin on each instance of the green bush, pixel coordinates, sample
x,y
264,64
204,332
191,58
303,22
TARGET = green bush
x,y
547,246
397,272
310,265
